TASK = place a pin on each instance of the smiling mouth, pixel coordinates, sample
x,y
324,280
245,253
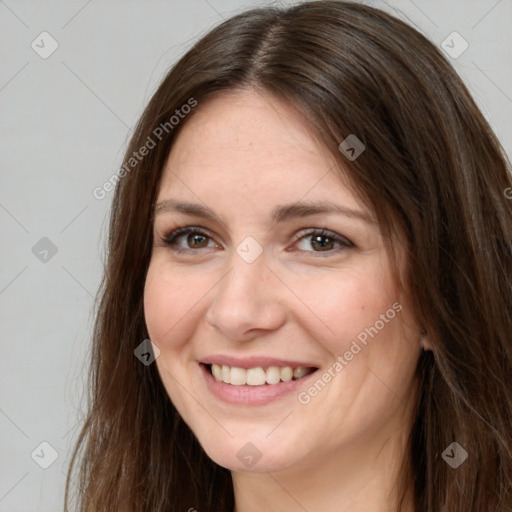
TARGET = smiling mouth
x,y
257,376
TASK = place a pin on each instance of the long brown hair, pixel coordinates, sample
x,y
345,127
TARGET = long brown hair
x,y
432,170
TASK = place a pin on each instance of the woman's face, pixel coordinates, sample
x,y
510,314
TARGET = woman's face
x,y
259,287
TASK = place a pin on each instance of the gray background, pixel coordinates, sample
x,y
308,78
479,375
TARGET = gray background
x,y
64,126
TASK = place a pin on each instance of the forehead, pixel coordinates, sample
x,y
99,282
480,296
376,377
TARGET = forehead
x,y
244,118
253,142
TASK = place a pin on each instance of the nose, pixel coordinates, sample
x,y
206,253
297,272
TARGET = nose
x,y
248,301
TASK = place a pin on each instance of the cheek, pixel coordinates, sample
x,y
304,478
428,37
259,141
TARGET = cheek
x,y
169,314
170,302
346,305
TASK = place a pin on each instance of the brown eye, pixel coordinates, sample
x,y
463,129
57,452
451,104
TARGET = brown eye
x,y
194,239
324,241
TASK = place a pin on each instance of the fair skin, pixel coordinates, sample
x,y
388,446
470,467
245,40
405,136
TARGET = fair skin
x,y
241,155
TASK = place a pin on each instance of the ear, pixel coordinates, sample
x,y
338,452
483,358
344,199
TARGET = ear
x,y
425,344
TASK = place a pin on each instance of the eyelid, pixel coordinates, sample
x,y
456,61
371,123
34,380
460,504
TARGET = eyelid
x,y
174,234
344,242
170,238
322,231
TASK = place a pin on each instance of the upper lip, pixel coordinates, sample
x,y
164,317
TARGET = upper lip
x,y
253,361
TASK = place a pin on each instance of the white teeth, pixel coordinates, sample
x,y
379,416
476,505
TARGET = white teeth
x,y
217,372
226,374
273,375
238,376
286,373
257,376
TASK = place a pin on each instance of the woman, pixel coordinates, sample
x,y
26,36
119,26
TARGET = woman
x,y
311,227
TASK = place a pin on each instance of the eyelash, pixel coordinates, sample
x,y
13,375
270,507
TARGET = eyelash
x,y
170,239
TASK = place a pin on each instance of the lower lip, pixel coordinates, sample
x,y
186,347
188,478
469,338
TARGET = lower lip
x,y
251,395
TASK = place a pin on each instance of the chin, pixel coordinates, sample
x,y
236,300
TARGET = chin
x,y
258,455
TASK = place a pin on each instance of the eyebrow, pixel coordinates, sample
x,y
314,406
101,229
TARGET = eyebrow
x,y
279,214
